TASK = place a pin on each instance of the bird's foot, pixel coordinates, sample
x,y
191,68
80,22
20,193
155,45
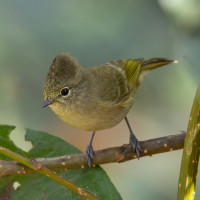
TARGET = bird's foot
x,y
89,154
135,144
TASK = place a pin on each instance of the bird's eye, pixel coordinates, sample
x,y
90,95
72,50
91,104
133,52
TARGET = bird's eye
x,y
65,92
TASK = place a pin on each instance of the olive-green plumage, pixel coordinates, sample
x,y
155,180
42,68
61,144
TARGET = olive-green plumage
x,y
98,97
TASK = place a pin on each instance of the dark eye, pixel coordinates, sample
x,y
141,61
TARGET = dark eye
x,y
65,92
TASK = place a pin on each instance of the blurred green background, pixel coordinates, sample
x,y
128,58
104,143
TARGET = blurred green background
x,y
94,32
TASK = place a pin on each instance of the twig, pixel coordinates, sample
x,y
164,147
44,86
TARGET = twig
x,y
38,167
114,154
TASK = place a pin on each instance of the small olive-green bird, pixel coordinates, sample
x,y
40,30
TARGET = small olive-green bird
x,y
95,98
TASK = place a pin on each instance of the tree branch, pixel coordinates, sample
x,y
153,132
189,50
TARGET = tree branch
x,y
114,154
37,167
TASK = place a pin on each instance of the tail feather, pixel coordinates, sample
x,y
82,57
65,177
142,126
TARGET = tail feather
x,y
155,63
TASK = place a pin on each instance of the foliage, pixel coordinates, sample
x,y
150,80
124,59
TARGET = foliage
x,y
36,186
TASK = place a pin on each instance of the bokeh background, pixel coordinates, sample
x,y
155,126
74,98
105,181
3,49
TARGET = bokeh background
x,y
33,32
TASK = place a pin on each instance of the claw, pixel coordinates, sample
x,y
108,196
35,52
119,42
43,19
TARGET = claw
x,y
89,151
135,144
89,154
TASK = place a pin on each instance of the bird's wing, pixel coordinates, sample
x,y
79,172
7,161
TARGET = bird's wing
x,y
132,69
118,79
121,77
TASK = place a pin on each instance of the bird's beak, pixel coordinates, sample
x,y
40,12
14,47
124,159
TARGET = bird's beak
x,y
46,103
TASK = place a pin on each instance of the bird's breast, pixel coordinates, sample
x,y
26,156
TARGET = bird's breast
x,y
94,117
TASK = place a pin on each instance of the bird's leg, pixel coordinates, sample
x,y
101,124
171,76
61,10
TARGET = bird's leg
x,y
133,140
89,151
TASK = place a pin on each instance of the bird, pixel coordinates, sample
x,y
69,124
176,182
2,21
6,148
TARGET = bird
x,y
96,98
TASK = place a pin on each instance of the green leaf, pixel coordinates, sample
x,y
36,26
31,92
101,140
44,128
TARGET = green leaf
x,y
191,152
5,141
35,186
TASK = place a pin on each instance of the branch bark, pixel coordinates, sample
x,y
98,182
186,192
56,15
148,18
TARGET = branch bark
x,y
115,154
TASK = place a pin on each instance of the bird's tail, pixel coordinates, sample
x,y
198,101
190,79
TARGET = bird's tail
x,y
154,63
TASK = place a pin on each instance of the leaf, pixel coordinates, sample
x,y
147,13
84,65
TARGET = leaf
x,y
191,152
5,141
35,186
